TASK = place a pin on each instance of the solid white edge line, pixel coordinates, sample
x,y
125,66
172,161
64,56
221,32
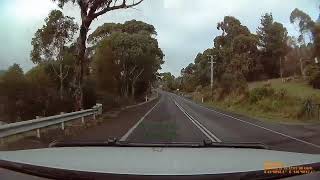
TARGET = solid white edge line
x,y
204,130
125,137
270,130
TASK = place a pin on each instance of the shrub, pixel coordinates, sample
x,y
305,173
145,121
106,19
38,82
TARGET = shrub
x,y
259,93
307,108
281,93
233,83
315,80
313,71
89,94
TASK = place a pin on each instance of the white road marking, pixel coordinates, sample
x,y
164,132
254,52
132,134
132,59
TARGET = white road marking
x,y
203,129
270,130
125,137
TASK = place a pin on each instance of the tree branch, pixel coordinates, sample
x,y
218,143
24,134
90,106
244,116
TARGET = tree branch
x,y
66,73
137,75
57,74
114,7
133,69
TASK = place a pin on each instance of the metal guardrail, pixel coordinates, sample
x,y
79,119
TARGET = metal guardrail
x,y
37,124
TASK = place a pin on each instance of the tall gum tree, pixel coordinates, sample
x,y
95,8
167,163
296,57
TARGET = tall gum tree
x,y
90,10
49,43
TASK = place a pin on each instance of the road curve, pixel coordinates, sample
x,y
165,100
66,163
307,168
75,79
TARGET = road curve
x,y
176,119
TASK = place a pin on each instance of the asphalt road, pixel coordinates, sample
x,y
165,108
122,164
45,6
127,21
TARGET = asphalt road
x,y
176,119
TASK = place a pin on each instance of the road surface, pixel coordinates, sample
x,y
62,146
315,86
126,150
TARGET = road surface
x,y
176,119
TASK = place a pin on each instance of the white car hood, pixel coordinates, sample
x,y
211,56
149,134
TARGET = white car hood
x,y
156,161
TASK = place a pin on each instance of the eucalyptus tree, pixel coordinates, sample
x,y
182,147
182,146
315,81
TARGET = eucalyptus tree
x,y
89,11
273,42
126,55
50,41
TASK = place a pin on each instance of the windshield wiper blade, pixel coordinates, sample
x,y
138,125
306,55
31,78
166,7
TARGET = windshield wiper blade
x,y
251,145
116,143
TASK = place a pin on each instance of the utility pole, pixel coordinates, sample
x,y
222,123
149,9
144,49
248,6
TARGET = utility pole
x,y
211,82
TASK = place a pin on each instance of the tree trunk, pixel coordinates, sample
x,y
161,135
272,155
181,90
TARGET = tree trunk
x,y
281,70
61,82
81,50
127,90
132,90
302,69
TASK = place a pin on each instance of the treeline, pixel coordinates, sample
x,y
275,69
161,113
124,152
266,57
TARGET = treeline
x,y
122,64
240,56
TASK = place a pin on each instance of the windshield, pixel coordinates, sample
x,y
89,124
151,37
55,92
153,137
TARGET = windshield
x,y
208,73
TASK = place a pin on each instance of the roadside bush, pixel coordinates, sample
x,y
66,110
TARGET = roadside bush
x,y
108,100
89,94
232,83
313,72
281,94
307,109
259,93
315,80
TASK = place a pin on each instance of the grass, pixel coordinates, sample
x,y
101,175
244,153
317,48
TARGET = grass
x,y
256,113
271,108
295,88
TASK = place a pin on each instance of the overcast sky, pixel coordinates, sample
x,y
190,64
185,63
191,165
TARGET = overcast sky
x,y
184,27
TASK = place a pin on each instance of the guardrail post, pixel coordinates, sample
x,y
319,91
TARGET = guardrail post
x,y
202,99
38,130
95,109
82,118
38,133
62,124
35,126
100,109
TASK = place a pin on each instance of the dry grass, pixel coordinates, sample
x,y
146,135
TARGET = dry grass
x,y
295,88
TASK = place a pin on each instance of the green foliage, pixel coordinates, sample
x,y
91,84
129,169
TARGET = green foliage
x,y
273,42
315,80
259,93
316,39
313,73
39,76
130,27
233,83
235,50
89,94
281,94
168,80
105,68
303,21
235,56
89,11
31,94
52,37
127,57
308,108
